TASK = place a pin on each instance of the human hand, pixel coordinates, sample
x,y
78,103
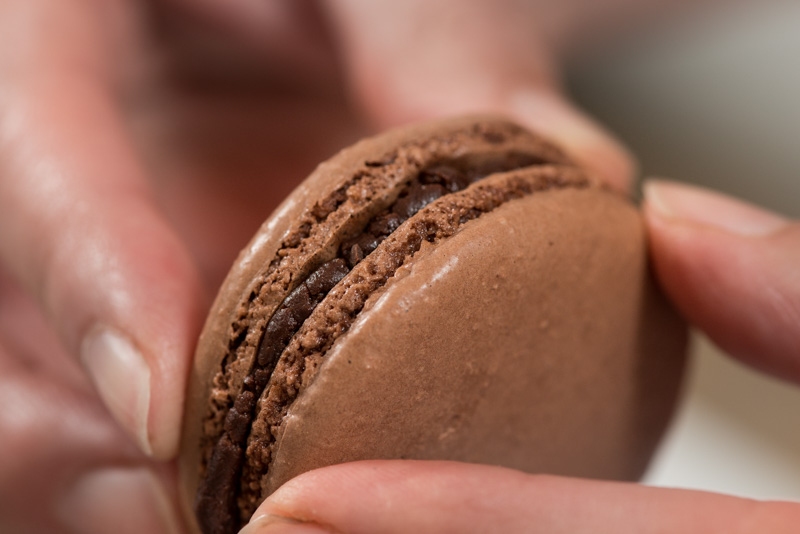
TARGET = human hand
x,y
135,160
731,268
129,179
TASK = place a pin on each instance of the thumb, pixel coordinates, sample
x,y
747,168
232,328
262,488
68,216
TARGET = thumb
x,y
733,269
79,226
416,60
399,496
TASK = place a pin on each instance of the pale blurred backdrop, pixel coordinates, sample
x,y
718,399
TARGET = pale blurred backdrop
x,y
715,100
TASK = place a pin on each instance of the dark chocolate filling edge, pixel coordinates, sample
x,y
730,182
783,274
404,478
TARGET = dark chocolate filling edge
x,y
217,504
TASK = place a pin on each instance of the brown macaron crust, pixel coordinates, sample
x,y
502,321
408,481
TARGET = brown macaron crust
x,y
453,290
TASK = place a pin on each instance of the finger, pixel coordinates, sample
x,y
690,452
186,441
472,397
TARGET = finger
x,y
65,467
732,269
413,496
78,226
413,60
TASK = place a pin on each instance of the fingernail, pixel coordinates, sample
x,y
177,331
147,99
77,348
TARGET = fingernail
x,y
553,117
122,379
276,524
698,205
119,500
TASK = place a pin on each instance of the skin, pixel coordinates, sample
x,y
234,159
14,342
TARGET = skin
x,y
129,179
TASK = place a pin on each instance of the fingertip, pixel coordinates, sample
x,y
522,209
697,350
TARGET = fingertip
x,y
692,204
171,315
171,310
728,267
127,292
139,366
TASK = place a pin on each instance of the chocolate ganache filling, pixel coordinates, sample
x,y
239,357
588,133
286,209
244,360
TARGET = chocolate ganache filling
x,y
216,502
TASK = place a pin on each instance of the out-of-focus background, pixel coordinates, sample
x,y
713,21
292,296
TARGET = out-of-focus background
x,y
715,101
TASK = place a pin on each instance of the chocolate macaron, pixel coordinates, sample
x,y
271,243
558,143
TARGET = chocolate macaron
x,y
456,290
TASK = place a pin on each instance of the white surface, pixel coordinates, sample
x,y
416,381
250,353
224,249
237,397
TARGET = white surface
x,y
737,432
716,101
